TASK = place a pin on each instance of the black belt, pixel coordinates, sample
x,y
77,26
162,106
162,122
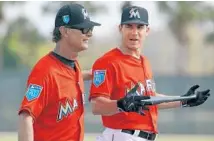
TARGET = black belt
x,y
142,134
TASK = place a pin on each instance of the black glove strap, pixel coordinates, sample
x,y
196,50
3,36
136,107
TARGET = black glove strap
x,y
120,105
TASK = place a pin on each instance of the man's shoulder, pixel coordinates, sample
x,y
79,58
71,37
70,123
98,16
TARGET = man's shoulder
x,y
145,60
43,66
108,57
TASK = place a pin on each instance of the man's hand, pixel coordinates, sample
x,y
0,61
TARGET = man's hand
x,y
202,96
132,102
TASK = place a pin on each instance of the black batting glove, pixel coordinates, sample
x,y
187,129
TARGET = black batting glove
x,y
202,96
132,102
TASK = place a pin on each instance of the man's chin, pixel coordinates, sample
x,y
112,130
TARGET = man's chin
x,y
84,47
133,47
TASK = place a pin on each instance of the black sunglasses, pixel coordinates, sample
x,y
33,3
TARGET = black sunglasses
x,y
83,30
86,30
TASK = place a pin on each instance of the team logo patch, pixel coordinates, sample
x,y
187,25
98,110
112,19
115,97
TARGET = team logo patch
x,y
66,19
33,92
134,13
85,14
99,77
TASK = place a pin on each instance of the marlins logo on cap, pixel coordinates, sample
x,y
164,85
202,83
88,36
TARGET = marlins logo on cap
x,y
85,13
134,13
74,16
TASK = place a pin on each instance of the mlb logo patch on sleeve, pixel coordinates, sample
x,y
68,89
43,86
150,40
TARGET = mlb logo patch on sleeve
x,y
99,77
33,92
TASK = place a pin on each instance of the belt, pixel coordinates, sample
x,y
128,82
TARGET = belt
x,y
142,134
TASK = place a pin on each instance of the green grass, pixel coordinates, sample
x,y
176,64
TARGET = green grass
x,y
164,137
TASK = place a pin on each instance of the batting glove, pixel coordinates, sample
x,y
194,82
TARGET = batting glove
x,y
202,96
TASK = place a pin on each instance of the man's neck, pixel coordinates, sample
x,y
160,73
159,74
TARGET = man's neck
x,y
133,53
65,52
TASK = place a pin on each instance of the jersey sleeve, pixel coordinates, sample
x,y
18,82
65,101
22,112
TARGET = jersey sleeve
x,y
102,80
36,95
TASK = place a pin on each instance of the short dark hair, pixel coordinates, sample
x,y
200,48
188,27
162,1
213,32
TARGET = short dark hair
x,y
56,35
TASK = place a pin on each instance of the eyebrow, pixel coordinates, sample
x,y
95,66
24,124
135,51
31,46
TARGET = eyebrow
x,y
136,25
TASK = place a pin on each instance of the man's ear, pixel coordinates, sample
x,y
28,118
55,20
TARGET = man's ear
x,y
120,28
63,31
147,30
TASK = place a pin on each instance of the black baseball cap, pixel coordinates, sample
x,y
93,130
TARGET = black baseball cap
x,y
134,15
74,16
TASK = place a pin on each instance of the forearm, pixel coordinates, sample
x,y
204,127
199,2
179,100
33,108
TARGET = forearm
x,y
104,106
169,105
25,127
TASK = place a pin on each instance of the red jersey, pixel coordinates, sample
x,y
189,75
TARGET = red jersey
x,y
114,74
54,98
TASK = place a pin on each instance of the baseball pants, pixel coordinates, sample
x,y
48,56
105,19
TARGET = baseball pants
x,y
116,135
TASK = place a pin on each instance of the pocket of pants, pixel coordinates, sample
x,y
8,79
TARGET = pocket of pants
x,y
105,137
119,136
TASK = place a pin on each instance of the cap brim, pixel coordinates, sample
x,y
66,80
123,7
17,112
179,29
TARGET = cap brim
x,y
87,24
135,22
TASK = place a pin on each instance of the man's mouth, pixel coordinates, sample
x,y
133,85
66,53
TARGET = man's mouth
x,y
133,39
85,40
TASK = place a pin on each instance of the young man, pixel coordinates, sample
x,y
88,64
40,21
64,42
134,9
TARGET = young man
x,y
114,93
52,108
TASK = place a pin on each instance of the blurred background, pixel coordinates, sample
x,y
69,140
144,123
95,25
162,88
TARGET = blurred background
x,y
180,48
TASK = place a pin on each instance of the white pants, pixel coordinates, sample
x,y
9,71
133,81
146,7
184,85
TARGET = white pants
x,y
116,135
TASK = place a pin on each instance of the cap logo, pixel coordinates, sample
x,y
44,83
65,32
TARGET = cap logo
x,y
134,13
85,13
66,19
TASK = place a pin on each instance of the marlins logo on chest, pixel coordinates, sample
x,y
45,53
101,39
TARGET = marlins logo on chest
x,y
150,87
66,108
140,90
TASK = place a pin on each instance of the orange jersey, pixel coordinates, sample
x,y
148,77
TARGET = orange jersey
x,y
114,75
54,98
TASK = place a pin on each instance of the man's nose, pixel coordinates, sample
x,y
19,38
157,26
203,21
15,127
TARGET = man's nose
x,y
89,34
134,30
